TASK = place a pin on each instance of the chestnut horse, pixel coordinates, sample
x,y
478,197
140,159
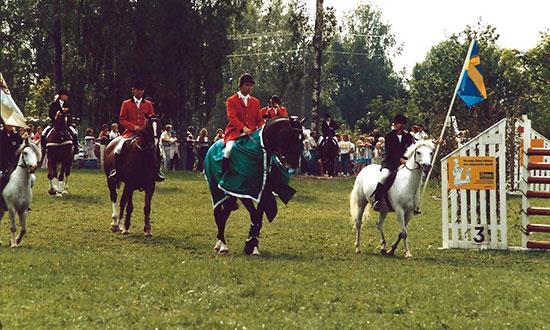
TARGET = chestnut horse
x,y
59,150
139,161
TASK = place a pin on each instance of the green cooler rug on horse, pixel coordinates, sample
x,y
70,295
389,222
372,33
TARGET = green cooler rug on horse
x,y
250,173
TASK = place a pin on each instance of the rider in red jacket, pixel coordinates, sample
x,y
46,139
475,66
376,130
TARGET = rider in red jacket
x,y
132,118
274,109
243,113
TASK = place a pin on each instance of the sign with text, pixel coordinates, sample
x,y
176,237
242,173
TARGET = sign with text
x,y
473,173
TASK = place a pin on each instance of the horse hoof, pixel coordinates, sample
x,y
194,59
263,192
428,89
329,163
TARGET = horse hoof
x,y
408,255
14,245
223,250
383,252
256,251
115,229
52,192
148,233
357,251
217,246
125,232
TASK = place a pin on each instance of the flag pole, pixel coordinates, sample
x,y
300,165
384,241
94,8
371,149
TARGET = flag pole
x,y
445,123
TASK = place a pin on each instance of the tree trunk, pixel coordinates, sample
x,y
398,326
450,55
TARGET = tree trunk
x,y
317,46
58,48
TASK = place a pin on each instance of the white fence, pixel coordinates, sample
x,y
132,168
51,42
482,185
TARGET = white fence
x,y
477,218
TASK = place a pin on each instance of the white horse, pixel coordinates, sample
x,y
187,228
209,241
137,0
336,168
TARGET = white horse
x,y
404,194
18,192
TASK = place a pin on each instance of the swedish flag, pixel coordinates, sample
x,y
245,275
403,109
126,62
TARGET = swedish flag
x,y
472,89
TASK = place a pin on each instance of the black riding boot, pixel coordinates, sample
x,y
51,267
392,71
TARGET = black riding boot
x,y
159,177
225,165
378,196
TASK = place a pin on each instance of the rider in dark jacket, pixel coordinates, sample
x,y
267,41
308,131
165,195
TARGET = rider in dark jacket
x,y
60,106
328,128
396,143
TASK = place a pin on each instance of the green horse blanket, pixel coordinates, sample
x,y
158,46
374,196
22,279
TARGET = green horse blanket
x,y
251,173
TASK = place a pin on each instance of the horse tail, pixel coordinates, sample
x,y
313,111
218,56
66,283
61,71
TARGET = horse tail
x,y
358,202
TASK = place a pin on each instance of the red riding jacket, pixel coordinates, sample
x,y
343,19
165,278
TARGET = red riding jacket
x,y
241,116
270,113
132,116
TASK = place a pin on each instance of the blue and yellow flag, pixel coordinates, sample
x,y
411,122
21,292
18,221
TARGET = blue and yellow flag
x,y
472,89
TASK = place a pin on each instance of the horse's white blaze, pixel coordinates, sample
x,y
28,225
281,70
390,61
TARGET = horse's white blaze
x,y
155,133
402,194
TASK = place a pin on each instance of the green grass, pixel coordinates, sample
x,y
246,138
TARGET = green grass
x,y
71,272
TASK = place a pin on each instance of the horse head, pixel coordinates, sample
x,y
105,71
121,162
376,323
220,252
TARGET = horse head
x,y
29,156
421,153
151,132
284,137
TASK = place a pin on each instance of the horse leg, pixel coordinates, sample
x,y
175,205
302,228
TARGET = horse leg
x,y
400,215
251,245
115,224
147,210
129,210
13,228
380,226
123,204
221,214
357,208
1,217
23,223
404,233
61,178
52,173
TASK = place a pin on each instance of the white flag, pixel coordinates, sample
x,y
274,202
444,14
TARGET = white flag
x,y
9,111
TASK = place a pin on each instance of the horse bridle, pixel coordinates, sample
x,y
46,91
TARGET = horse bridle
x,y
24,165
418,165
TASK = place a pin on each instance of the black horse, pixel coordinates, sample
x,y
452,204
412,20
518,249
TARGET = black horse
x,y
282,137
327,152
138,167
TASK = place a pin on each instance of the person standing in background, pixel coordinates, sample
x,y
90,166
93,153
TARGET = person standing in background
x,y
114,133
202,148
346,147
189,143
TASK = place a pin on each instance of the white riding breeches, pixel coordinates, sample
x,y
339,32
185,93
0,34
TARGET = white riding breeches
x,y
120,143
227,149
384,174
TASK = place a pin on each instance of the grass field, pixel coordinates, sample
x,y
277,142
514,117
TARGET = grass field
x,y
71,272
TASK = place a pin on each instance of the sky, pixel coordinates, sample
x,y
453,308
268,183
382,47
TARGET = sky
x,y
420,24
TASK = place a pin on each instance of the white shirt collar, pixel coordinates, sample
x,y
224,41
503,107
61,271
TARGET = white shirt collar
x,y
243,96
137,101
61,103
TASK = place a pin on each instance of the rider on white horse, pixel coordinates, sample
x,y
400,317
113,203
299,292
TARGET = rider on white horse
x,y
396,143
60,106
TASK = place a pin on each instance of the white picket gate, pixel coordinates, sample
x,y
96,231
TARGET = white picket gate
x,y
477,218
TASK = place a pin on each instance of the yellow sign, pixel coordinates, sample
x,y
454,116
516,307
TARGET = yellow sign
x,y
473,173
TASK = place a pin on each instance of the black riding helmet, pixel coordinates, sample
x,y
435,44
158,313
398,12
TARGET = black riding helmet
x,y
400,119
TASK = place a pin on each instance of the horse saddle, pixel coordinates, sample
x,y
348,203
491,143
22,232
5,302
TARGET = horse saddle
x,y
56,138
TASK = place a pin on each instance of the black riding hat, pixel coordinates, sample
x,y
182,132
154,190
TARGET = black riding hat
x,y
139,84
400,119
246,78
327,115
62,91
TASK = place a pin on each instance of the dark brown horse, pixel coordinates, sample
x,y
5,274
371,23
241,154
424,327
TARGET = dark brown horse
x,y
282,137
60,152
327,152
138,166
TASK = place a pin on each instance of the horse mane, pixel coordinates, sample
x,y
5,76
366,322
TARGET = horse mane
x,y
422,143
